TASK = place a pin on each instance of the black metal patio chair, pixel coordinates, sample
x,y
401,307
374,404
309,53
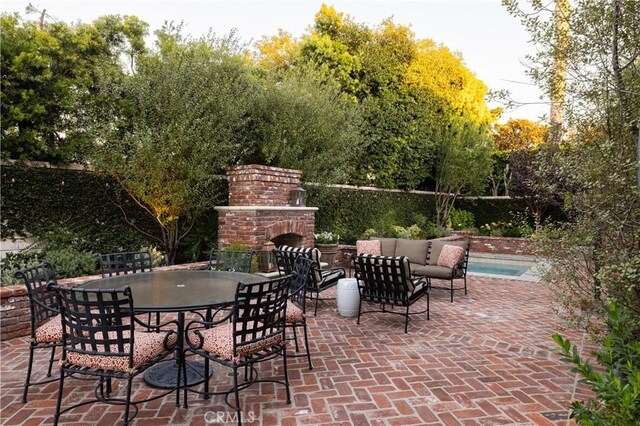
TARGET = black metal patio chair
x,y
256,333
322,279
297,306
387,281
97,342
46,326
230,260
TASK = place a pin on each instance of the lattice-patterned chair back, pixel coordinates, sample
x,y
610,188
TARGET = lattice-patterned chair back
x,y
125,263
43,303
231,260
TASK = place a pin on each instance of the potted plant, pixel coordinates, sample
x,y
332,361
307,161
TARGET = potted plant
x,y
327,243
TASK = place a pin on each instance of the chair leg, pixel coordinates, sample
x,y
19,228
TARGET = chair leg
x,y
428,306
237,394
56,416
359,309
406,320
182,377
206,378
306,345
315,310
286,373
452,290
128,401
28,379
465,284
53,354
295,337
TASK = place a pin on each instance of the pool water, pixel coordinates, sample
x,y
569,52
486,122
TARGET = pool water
x,y
497,268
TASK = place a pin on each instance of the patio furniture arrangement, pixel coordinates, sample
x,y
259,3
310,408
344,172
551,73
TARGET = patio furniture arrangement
x,y
387,281
431,259
46,328
97,342
177,292
230,260
256,333
322,279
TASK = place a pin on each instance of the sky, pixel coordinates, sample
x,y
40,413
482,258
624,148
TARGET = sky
x,y
492,42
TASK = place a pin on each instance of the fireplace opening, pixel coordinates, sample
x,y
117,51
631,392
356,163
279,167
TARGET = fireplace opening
x,y
266,260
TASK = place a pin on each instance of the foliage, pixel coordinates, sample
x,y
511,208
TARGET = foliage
x,y
326,237
501,175
463,163
47,69
505,229
36,201
518,134
164,139
617,388
70,262
535,178
487,210
460,219
15,261
300,120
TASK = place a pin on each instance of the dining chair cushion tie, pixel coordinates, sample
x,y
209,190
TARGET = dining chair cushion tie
x,y
50,331
219,341
146,347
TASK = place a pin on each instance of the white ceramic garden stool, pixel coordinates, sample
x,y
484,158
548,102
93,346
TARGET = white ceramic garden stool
x,y
348,297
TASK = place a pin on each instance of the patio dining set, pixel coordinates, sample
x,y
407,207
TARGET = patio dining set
x,y
170,326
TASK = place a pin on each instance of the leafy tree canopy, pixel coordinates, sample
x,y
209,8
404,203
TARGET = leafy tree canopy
x,y
519,133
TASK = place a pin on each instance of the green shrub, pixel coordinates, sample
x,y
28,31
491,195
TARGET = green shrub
x,y
461,219
326,237
617,388
12,262
69,262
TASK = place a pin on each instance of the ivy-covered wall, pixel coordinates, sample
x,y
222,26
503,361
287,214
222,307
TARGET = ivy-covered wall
x,y
40,201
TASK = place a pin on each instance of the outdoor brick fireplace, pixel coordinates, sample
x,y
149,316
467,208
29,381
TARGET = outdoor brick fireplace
x,y
259,214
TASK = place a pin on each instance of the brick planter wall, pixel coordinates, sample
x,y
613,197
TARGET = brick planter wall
x,y
14,303
501,245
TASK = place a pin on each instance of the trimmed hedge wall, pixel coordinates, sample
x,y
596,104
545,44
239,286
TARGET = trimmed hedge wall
x,y
36,200
487,210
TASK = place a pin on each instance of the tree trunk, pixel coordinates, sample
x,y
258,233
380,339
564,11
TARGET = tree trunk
x,y
559,73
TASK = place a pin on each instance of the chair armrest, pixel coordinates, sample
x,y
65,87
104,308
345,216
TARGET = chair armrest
x,y
202,324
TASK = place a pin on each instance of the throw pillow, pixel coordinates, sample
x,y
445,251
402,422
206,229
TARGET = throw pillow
x,y
368,247
450,256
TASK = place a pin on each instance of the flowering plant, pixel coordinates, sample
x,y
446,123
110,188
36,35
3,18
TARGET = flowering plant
x,y
326,238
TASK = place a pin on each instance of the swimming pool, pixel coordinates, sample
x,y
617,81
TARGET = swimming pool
x,y
503,266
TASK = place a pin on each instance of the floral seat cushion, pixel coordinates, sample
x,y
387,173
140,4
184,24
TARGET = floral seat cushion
x,y
146,347
294,314
219,341
50,331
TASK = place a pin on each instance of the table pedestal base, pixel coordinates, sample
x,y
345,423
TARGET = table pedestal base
x,y
165,374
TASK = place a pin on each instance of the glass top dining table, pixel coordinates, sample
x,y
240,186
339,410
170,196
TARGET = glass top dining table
x,y
177,291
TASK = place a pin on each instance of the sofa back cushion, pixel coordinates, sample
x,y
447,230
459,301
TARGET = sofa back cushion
x,y
368,247
387,246
414,250
436,249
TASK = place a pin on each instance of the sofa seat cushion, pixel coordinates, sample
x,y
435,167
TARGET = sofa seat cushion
x,y
414,250
387,246
146,347
432,271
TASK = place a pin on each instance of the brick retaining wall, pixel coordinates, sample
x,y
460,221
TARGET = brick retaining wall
x,y
14,303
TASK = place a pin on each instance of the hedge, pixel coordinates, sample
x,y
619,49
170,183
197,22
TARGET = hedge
x,y
37,200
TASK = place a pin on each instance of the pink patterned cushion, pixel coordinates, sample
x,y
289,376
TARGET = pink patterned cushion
x,y
450,256
294,314
368,247
50,331
146,347
219,341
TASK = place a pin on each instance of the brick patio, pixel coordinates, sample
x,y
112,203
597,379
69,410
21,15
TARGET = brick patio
x,y
482,360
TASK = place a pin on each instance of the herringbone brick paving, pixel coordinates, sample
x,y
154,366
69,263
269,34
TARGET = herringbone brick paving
x,y
482,360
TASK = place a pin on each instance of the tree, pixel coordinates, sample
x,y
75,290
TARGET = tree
x,y
519,133
277,53
558,83
166,131
462,164
47,69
